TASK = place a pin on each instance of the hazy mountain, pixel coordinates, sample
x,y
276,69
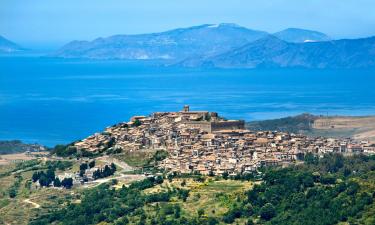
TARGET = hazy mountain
x,y
296,35
230,46
7,46
175,44
16,146
273,52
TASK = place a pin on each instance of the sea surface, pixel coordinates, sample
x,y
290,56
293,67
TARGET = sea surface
x,y
56,101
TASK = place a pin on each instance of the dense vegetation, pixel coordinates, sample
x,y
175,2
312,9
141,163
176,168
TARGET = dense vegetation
x,y
293,124
106,204
71,151
47,178
14,188
64,150
105,172
323,191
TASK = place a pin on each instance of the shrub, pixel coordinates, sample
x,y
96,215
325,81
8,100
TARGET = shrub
x,y
267,211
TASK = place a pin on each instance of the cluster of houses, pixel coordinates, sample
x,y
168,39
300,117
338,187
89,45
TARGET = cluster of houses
x,y
202,141
87,176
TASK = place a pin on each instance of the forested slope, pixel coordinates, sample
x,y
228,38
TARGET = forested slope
x,y
329,190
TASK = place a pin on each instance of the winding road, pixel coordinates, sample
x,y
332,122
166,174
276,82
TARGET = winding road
x,y
36,205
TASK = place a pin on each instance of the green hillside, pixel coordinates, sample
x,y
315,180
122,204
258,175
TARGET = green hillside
x,y
329,190
294,124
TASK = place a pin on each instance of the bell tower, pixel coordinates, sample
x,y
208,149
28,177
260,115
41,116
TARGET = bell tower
x,y
186,108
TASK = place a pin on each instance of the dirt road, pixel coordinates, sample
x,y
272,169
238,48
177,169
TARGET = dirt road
x,y
36,205
125,167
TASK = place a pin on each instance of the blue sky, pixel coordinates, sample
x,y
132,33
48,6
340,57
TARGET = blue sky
x,y
55,22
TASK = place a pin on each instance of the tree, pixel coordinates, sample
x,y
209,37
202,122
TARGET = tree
x,y
44,181
50,175
311,159
57,182
225,175
212,221
83,166
159,180
111,142
107,171
228,218
35,176
114,181
67,183
122,221
177,211
308,180
12,192
249,222
353,188
113,167
160,155
167,209
267,211
328,179
200,212
248,210
137,123
183,194
92,164
170,177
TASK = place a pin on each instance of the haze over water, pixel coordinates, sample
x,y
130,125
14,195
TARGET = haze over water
x,y
52,101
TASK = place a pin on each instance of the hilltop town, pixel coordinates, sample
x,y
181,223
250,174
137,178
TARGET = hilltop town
x,y
205,142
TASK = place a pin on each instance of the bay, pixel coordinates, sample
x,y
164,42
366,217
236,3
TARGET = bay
x,y
56,101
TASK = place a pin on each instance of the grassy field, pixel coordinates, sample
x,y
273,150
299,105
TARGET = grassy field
x,y
136,158
212,196
29,201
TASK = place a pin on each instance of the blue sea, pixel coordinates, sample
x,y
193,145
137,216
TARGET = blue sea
x,y
56,101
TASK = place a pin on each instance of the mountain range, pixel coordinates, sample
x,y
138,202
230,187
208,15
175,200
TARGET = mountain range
x,y
171,45
178,44
7,46
273,52
225,45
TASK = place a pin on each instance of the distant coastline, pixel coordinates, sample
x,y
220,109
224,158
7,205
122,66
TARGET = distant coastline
x,y
356,127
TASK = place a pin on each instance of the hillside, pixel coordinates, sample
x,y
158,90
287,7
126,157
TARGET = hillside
x,y
10,147
293,124
272,52
361,127
320,192
229,46
296,35
357,127
7,46
171,45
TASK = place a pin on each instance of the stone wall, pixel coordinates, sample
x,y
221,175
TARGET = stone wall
x,y
227,125
216,126
203,125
